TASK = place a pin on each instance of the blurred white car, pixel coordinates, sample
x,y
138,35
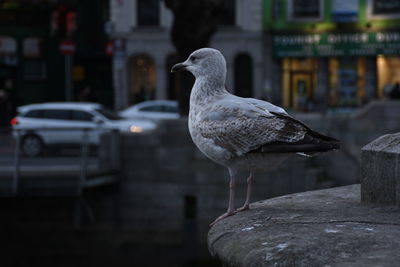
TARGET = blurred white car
x,y
154,110
46,124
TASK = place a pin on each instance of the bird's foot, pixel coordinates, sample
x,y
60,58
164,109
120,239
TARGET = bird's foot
x,y
245,207
223,216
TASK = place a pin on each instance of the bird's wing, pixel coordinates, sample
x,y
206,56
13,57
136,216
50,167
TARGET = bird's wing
x,y
242,125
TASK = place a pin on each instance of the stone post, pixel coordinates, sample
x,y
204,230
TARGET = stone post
x,y
380,170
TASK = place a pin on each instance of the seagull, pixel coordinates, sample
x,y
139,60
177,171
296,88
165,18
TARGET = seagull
x,y
242,134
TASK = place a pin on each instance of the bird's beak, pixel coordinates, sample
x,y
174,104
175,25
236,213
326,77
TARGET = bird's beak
x,y
178,67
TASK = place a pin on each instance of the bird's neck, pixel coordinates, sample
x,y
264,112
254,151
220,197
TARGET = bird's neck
x,y
206,89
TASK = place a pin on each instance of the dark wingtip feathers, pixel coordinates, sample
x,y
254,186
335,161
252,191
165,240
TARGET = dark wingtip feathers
x,y
313,142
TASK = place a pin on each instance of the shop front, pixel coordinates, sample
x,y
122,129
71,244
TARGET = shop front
x,y
298,82
336,70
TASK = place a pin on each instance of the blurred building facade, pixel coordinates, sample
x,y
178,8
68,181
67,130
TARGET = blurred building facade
x,y
307,55
143,53
331,54
24,50
32,66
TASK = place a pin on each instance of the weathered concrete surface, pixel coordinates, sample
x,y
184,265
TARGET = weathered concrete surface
x,y
380,170
328,227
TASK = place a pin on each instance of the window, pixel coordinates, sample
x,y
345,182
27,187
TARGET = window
x,y
305,10
78,115
153,109
344,11
34,114
228,18
58,114
383,9
276,9
33,47
388,74
8,51
346,81
109,114
148,12
171,109
160,108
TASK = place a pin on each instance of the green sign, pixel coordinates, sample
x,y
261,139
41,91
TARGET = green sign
x,y
336,44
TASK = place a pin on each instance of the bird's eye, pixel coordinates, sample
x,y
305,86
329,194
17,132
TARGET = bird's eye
x,y
193,58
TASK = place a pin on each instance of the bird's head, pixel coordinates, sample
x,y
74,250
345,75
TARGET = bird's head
x,y
204,62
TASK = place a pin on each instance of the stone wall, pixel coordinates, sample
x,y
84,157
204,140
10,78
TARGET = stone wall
x,y
354,131
168,188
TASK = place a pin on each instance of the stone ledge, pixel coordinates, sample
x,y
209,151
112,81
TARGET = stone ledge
x,y
380,172
328,227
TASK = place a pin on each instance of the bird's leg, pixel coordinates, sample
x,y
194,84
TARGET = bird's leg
x,y
248,194
231,205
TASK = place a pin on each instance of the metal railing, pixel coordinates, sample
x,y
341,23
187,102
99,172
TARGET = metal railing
x,y
84,153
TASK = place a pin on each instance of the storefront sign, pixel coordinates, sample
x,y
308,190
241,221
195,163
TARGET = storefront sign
x,y
337,44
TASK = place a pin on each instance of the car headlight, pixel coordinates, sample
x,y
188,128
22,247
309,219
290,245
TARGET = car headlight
x,y
135,129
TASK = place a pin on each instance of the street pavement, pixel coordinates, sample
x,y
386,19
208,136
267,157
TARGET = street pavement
x,y
6,145
66,159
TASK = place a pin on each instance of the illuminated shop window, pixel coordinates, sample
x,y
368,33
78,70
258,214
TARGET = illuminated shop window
x,y
346,81
388,71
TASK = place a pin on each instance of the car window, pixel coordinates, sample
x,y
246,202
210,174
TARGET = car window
x,y
36,113
109,114
152,108
78,115
160,108
171,109
58,114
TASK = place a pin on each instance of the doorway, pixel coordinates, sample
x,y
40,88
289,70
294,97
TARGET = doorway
x,y
301,90
298,83
142,79
243,75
